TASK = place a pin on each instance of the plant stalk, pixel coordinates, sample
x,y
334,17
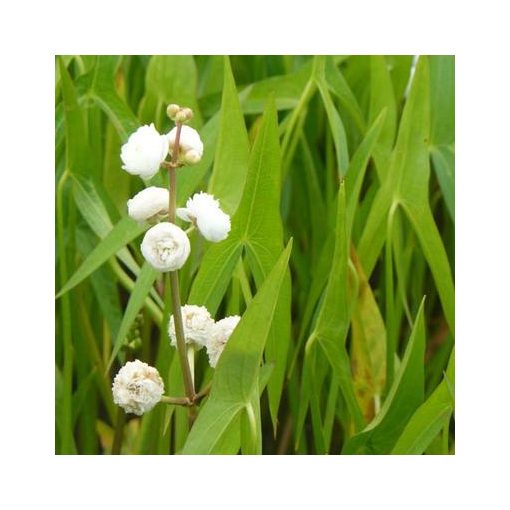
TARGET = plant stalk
x,y
119,429
174,275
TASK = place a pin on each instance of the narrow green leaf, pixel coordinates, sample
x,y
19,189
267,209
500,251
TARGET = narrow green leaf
x,y
442,99
236,375
142,287
257,227
93,210
215,272
443,158
251,433
262,236
358,166
339,86
232,150
407,183
104,93
382,97
429,418
335,121
75,127
121,234
333,317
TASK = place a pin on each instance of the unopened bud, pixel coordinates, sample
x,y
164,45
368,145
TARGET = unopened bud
x,y
172,110
192,157
184,115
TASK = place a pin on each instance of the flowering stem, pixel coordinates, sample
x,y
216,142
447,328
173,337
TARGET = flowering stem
x,y
176,401
174,275
119,429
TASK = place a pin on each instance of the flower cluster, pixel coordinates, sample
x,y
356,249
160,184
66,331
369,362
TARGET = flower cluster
x,y
137,387
166,246
200,330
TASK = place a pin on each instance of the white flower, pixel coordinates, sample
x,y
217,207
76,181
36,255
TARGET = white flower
x,y
144,152
149,203
165,247
197,324
137,388
221,332
191,147
204,211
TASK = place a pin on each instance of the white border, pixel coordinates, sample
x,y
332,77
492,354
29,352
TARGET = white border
x,y
34,32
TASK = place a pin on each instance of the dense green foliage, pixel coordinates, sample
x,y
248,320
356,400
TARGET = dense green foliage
x,y
339,178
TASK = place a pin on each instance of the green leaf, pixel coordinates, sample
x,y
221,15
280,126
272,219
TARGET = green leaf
x,y
339,86
251,429
262,236
121,234
103,281
442,99
256,227
142,287
93,210
429,418
170,79
443,158
333,317
287,90
77,147
232,151
407,184
358,166
105,95
405,396
382,97
335,122
215,272
237,373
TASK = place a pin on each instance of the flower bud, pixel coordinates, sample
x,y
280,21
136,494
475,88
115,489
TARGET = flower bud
x,y
192,157
172,110
184,115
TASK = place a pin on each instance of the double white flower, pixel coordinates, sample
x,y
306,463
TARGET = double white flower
x,y
144,152
137,387
197,324
165,247
146,149
203,210
221,332
200,330
148,204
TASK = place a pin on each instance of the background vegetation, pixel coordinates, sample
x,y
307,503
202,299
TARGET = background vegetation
x,y
338,154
